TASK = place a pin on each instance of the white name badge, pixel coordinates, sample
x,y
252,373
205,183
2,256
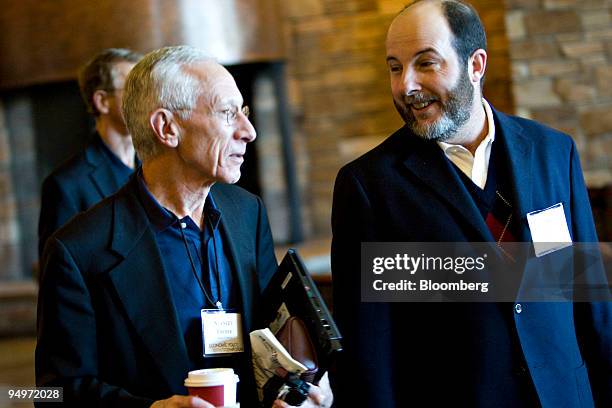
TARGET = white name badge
x,y
221,332
549,230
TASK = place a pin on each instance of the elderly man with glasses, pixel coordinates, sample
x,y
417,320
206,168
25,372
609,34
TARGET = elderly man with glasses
x,y
131,287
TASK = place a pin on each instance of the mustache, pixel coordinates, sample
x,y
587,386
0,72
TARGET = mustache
x,y
418,97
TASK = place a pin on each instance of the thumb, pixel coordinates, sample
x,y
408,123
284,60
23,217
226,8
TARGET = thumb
x,y
197,402
316,395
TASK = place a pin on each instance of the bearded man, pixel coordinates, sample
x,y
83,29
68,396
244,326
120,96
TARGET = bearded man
x,y
457,169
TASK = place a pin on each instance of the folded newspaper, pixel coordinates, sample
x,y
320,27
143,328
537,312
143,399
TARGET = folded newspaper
x,y
269,355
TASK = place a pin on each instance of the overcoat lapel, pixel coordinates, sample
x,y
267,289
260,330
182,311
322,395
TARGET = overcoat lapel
x,y
426,161
143,288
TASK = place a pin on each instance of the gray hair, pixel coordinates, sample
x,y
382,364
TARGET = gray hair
x,y
160,80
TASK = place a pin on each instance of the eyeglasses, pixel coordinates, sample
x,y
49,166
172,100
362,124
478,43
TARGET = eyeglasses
x,y
231,114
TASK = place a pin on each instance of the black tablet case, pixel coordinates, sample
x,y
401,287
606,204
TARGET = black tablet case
x,y
302,298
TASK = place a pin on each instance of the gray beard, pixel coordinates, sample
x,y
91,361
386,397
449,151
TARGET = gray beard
x,y
455,113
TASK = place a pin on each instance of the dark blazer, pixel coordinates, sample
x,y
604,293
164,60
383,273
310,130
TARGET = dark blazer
x,y
107,328
77,184
462,354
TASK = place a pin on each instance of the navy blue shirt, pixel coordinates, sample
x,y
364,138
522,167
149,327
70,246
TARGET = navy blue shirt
x,y
197,267
121,172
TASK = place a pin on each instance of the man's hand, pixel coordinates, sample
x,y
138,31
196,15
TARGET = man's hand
x,y
318,397
182,401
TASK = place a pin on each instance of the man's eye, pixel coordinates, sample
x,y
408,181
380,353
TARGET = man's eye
x,y
395,68
426,64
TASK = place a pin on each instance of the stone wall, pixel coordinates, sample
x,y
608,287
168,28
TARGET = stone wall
x,y
561,54
10,259
19,201
339,83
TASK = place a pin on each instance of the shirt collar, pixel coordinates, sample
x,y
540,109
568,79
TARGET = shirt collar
x,y
162,218
490,138
115,160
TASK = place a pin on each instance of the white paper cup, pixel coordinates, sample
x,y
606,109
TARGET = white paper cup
x,y
215,385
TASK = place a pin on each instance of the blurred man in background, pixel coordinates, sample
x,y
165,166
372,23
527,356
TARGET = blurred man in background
x,y
108,161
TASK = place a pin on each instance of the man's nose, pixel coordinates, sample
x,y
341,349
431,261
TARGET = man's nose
x,y
410,82
245,130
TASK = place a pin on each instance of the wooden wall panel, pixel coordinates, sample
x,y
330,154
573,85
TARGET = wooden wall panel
x,y
46,40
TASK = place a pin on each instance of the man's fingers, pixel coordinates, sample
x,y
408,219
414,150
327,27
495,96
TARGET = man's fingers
x,y
316,395
199,403
280,404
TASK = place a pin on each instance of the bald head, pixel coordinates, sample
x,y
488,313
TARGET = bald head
x,y
468,34
422,23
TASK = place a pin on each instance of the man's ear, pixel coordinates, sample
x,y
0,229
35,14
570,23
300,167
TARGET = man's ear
x,y
100,101
477,66
165,127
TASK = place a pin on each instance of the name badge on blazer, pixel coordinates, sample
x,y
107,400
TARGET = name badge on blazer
x,y
221,332
549,230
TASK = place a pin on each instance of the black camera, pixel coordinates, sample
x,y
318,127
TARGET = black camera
x,y
290,389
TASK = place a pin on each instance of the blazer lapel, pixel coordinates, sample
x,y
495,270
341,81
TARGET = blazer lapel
x,y
101,175
427,162
519,148
232,228
142,287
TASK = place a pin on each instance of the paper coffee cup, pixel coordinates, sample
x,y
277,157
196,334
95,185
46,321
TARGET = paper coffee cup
x,y
215,385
